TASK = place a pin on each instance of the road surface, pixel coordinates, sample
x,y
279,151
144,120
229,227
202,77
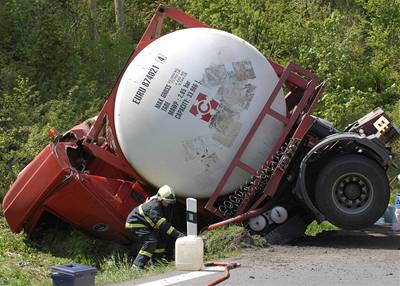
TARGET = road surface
x,y
369,257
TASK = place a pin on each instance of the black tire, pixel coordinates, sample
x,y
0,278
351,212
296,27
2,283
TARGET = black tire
x,y
352,191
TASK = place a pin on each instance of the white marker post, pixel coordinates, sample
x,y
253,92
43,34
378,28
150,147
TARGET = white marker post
x,y
191,216
189,249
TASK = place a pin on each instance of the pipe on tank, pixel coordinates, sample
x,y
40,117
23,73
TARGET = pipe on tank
x,y
236,219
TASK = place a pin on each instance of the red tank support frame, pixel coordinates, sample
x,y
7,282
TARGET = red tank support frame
x,y
302,95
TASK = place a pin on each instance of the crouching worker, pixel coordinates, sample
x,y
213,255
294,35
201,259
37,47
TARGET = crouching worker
x,y
147,224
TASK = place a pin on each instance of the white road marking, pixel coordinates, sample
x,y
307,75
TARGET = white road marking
x,y
184,277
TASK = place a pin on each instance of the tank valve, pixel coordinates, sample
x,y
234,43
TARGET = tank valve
x,y
278,214
258,223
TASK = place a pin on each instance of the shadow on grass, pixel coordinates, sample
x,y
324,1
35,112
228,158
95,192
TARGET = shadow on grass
x,y
63,240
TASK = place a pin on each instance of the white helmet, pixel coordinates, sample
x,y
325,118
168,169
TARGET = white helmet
x,y
166,194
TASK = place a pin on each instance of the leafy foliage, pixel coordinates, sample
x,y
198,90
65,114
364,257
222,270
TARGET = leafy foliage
x,y
314,228
55,73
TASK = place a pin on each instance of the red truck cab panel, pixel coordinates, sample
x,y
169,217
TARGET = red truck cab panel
x,y
95,204
33,185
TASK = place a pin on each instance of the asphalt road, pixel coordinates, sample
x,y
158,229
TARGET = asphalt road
x,y
369,257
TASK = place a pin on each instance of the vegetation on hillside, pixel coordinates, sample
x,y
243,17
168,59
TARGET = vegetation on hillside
x,y
59,59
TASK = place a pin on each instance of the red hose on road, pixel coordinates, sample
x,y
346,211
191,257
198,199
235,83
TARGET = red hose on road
x,y
227,265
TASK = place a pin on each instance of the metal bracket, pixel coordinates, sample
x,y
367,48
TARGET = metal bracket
x,y
382,125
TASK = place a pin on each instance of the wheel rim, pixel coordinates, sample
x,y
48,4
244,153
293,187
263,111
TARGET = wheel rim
x,y
352,193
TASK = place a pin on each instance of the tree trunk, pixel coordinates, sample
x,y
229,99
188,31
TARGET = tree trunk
x,y
93,33
120,16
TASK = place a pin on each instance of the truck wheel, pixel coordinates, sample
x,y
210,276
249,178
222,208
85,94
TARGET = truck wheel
x,y
352,191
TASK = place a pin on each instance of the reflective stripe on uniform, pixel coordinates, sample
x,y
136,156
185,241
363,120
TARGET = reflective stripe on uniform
x,y
159,250
134,225
145,253
141,212
170,230
160,222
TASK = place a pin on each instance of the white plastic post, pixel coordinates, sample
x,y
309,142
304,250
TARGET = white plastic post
x,y
191,216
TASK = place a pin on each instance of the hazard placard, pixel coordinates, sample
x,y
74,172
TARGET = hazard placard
x,y
204,108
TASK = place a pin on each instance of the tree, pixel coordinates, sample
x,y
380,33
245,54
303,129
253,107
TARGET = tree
x,y
94,35
120,15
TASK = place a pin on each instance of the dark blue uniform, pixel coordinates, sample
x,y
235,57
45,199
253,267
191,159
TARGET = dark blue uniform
x,y
147,224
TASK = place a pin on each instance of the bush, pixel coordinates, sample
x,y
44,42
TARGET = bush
x,y
223,241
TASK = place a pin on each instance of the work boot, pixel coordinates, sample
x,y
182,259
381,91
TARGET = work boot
x,y
159,256
159,260
141,260
137,268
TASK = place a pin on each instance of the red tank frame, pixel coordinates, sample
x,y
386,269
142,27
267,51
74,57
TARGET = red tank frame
x,y
98,198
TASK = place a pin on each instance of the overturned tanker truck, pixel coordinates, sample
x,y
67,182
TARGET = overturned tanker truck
x,y
203,111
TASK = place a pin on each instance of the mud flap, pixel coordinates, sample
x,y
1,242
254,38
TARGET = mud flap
x,y
290,230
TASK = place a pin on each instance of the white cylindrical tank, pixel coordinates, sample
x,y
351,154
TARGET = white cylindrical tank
x,y
185,104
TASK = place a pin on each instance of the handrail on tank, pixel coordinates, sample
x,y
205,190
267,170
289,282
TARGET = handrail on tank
x,y
304,101
272,185
297,136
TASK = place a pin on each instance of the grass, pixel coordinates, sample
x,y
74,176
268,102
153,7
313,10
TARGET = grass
x,y
227,241
20,262
113,271
393,194
27,262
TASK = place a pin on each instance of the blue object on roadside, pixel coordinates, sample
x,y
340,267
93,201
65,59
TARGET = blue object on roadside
x,y
73,274
389,214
